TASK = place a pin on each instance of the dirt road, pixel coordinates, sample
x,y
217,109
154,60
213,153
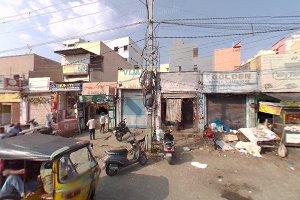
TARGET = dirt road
x,y
229,175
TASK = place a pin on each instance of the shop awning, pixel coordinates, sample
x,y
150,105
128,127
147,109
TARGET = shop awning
x,y
178,95
290,96
270,107
73,51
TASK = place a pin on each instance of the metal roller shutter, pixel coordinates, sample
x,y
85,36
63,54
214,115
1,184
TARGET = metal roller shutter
x,y
231,110
133,109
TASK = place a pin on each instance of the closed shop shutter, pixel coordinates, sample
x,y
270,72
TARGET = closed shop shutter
x,y
133,109
231,110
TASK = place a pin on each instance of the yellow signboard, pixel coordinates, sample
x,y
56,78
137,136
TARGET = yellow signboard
x,y
10,98
271,108
80,68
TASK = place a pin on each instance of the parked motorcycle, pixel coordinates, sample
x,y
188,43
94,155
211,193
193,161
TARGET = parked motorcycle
x,y
169,146
35,127
121,130
117,159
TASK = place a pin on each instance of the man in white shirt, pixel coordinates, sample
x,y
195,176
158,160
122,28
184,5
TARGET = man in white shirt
x,y
91,125
102,123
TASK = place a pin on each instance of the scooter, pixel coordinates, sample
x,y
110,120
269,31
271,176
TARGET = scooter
x,y
121,130
117,159
169,147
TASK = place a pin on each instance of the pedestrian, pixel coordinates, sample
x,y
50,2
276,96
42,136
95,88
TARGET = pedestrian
x,y
102,123
91,125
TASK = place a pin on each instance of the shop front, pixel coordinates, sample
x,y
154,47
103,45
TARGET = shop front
x,y
178,102
130,101
9,108
230,98
65,106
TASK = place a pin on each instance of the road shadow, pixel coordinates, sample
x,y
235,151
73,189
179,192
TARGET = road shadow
x,y
133,186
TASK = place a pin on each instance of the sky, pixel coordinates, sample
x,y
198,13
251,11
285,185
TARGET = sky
x,y
40,26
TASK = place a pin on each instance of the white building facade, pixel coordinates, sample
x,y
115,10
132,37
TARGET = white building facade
x,y
126,48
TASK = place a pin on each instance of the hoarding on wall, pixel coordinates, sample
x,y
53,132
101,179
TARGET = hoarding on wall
x,y
107,88
12,83
61,87
179,82
1,82
269,107
77,68
129,79
280,80
11,98
39,84
230,82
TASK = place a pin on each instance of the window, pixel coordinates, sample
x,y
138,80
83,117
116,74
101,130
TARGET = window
x,y
195,52
125,59
116,49
125,47
179,68
75,164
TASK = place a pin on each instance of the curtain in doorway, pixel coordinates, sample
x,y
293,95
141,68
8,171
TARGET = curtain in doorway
x,y
173,110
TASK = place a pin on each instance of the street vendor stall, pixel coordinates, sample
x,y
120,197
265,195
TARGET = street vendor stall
x,y
286,121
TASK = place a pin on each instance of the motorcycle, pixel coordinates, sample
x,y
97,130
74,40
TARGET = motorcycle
x,y
121,130
117,159
35,127
169,146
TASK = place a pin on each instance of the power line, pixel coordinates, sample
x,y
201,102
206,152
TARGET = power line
x,y
226,35
47,13
86,34
32,11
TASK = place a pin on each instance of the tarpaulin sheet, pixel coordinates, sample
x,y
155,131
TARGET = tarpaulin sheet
x,y
33,146
271,108
174,110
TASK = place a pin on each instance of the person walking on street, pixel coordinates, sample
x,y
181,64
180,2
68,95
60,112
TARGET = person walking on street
x,y
102,123
91,125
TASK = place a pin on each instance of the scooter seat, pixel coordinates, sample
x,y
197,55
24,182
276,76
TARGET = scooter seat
x,y
118,151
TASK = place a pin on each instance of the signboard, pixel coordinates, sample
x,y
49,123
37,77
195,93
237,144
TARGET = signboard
x,y
179,82
96,98
39,84
271,108
61,87
230,82
78,68
10,98
12,83
106,88
129,79
280,80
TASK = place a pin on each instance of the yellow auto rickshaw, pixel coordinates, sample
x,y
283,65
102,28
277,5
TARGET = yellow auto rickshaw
x,y
46,167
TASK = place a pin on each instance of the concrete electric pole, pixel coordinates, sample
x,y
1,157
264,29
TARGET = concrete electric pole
x,y
149,86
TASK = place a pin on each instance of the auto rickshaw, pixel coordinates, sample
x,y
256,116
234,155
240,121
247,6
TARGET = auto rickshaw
x,y
71,170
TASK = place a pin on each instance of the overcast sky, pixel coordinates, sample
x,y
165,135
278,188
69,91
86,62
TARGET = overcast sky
x,y
30,25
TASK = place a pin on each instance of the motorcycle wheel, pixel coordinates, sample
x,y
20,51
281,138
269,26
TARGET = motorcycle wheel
x,y
109,171
170,160
143,159
119,136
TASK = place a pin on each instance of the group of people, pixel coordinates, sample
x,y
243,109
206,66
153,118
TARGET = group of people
x,y
92,125
11,131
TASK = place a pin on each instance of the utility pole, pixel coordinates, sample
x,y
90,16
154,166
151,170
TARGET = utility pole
x,y
149,91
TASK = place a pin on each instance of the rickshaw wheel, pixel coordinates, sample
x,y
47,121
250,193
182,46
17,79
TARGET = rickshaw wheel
x,y
109,171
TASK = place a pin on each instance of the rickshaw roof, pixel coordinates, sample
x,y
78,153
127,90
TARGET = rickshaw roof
x,y
37,147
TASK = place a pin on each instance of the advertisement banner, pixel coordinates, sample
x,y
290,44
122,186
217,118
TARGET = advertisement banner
x,y
129,78
230,82
106,88
39,84
78,68
270,108
61,87
96,98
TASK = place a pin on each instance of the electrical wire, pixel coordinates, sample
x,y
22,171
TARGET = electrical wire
x,y
68,38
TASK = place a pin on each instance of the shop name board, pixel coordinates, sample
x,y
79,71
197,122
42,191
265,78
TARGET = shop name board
x,y
78,68
129,78
60,87
96,98
234,82
39,84
107,88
